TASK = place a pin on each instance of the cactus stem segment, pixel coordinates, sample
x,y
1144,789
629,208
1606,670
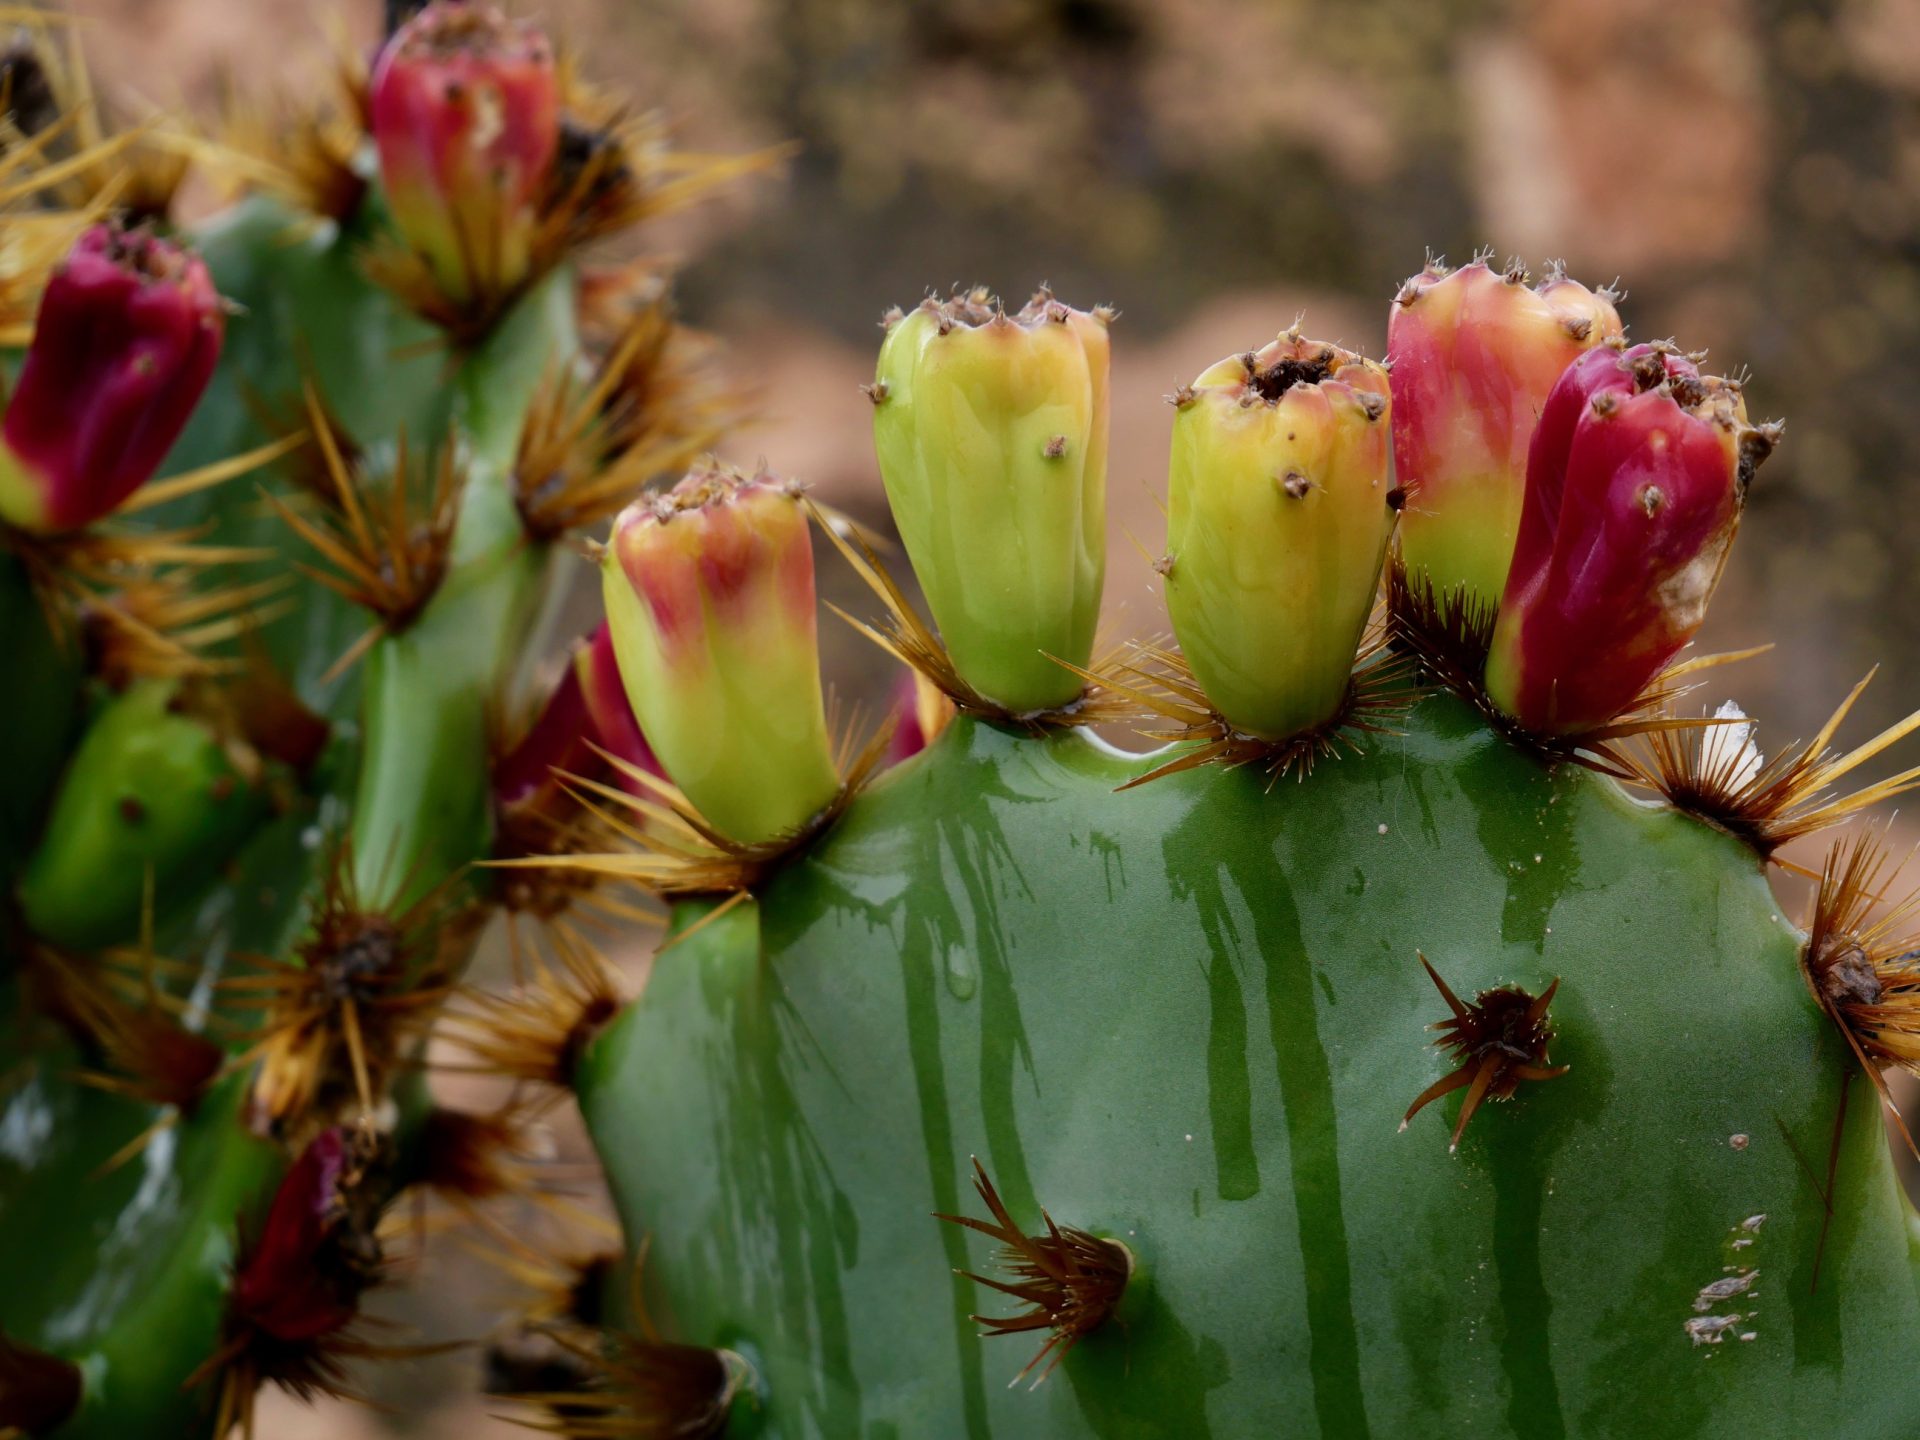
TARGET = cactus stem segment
x,y
914,643
1717,775
388,553
1170,706
655,403
1070,1280
1864,970
1500,1040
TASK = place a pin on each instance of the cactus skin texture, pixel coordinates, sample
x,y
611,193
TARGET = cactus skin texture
x,y
1185,1031
1190,1017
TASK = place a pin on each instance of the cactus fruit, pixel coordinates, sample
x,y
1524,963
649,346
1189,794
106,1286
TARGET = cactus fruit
x,y
1017,1057
1635,482
992,435
1280,502
1474,353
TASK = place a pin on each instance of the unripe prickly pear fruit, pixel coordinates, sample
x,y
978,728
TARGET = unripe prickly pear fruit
x,y
126,339
710,601
1635,484
281,1287
465,111
1279,507
154,796
992,436
557,744
609,712
920,710
1474,354
586,713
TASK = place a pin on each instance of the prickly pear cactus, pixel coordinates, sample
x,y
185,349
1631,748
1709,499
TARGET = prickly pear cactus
x,y
1411,1043
260,698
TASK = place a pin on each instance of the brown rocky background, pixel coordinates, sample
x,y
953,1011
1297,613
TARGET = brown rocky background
x,y
1750,168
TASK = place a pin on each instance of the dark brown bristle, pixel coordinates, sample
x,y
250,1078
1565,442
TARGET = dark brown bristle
x,y
337,1020
539,1031
113,1006
1450,635
476,1157
1069,1279
617,1386
1499,1040
1152,688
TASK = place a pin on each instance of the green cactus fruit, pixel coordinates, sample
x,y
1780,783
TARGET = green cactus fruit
x,y
710,601
992,435
1190,1019
153,803
1279,507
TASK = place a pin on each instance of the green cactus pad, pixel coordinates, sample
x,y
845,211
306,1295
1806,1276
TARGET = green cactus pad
x,y
1190,1017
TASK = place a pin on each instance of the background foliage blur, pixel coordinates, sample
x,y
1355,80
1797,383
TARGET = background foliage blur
x,y
1749,168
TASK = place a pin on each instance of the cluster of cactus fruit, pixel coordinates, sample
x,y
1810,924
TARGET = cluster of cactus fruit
x,y
282,741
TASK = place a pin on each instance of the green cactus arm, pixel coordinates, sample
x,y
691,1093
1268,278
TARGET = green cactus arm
x,y
407,775
421,811
129,1267
1190,1017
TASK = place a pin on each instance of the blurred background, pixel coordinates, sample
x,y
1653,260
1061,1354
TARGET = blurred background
x,y
1750,170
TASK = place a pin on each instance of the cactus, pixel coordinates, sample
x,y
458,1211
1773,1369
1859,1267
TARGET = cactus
x,y
977,1049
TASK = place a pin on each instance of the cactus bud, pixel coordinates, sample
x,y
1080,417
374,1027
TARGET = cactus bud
x,y
710,601
920,711
527,776
585,712
1277,522
992,437
1474,355
125,342
155,795
609,712
282,1286
1635,484
466,115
